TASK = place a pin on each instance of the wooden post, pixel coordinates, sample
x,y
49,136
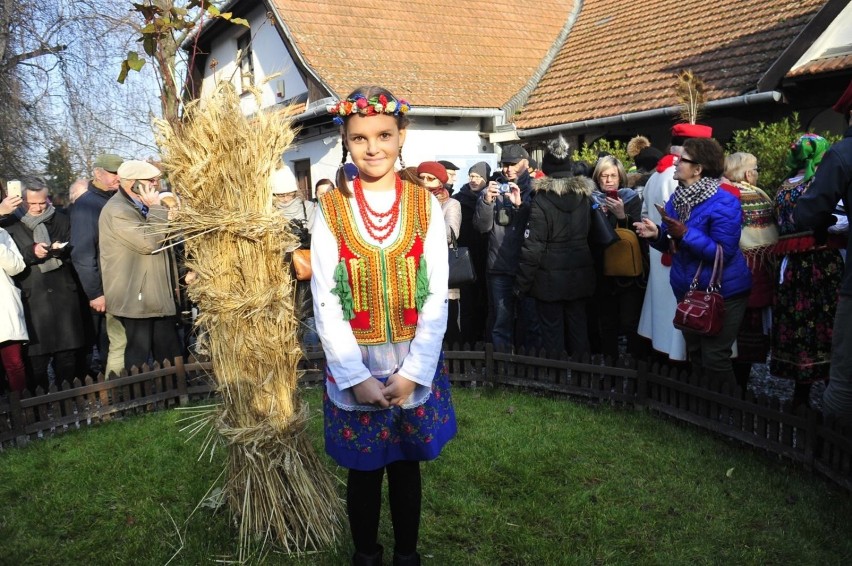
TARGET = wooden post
x,y
490,374
183,396
16,415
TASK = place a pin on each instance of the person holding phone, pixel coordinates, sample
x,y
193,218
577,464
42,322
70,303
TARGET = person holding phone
x,y
617,305
51,297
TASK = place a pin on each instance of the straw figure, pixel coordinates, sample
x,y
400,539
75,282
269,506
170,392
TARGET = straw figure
x,y
220,162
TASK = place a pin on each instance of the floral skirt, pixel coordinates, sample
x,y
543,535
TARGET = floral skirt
x,y
803,315
369,440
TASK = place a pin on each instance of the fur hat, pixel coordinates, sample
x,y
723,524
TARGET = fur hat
x,y
557,159
637,144
482,169
435,169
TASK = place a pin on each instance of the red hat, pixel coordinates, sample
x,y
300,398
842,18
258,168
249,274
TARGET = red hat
x,y
435,169
691,131
844,105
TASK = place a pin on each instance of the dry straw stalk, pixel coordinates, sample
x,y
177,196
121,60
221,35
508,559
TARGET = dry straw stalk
x,y
220,163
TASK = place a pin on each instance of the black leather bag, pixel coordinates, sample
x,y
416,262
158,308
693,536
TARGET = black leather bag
x,y
601,232
461,266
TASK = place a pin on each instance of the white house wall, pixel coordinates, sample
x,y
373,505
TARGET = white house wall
x,y
458,142
269,56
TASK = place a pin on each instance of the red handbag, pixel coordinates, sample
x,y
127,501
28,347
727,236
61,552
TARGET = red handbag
x,y
703,312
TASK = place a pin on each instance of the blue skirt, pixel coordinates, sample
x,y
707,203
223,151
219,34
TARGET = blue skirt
x,y
369,440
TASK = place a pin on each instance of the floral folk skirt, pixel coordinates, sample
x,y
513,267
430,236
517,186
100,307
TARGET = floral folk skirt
x,y
803,315
369,440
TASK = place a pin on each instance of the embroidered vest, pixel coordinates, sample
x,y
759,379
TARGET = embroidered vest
x,y
380,290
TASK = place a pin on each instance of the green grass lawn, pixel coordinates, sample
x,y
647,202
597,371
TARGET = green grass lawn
x,y
529,480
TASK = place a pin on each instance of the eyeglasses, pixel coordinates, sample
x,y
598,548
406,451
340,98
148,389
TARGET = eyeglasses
x,y
685,160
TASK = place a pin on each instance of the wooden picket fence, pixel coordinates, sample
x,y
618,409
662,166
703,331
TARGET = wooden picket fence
x,y
721,408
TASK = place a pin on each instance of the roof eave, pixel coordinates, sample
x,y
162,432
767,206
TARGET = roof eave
x,y
773,76
742,100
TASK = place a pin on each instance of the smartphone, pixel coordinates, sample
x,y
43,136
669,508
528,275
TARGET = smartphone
x,y
612,193
13,189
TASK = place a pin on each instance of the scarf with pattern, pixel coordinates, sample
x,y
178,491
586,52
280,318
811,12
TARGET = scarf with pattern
x,y
686,198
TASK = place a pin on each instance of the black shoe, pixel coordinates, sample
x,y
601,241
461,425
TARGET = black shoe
x,y
412,559
375,559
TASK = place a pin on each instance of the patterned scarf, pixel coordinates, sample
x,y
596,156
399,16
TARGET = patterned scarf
x,y
685,198
40,236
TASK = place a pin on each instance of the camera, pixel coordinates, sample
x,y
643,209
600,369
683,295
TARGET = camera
x,y
504,184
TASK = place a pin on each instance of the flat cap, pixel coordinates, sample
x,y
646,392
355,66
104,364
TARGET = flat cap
x,y
109,162
135,169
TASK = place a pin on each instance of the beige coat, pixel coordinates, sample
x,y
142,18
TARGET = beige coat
x,y
137,282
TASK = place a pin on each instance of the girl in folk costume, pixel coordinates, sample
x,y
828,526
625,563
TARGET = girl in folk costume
x,y
379,259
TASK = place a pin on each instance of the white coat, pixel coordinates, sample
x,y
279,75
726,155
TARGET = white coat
x,y
660,303
12,323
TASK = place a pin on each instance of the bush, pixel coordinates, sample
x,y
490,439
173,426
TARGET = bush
x,y
589,153
769,143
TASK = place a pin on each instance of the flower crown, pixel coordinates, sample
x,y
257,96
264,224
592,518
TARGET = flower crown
x,y
359,104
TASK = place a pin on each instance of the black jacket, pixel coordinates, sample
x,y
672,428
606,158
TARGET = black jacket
x,y
84,239
556,263
504,239
52,303
833,181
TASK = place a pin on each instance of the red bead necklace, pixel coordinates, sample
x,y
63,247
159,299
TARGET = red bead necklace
x,y
374,227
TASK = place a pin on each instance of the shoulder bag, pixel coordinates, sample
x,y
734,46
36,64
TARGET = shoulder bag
x,y
703,312
461,266
624,257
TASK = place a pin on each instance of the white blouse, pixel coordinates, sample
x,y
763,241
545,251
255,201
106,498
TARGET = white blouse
x,y
349,363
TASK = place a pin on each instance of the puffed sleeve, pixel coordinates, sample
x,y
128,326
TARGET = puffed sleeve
x,y
422,359
342,353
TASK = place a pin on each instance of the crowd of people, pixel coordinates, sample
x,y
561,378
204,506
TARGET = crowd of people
x,y
587,258
100,272
92,287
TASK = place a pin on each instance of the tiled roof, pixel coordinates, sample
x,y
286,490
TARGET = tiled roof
x,y
824,65
622,57
466,54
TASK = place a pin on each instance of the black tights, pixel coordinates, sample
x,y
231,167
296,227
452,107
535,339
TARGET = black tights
x,y
364,505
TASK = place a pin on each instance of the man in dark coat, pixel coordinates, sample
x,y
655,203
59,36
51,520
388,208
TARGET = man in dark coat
x,y
503,216
52,301
85,246
474,296
556,264
814,209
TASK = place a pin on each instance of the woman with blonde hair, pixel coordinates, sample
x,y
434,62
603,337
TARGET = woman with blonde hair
x,y
759,234
617,305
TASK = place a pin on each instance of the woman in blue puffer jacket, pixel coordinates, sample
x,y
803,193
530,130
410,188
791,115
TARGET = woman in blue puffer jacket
x,y
701,214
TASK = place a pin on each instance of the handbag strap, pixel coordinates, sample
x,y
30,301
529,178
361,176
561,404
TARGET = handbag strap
x,y
718,265
453,244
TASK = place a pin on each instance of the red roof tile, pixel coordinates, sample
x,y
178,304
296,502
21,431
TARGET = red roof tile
x,y
824,65
471,54
622,57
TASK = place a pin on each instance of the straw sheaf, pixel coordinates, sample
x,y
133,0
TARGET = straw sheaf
x,y
220,163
